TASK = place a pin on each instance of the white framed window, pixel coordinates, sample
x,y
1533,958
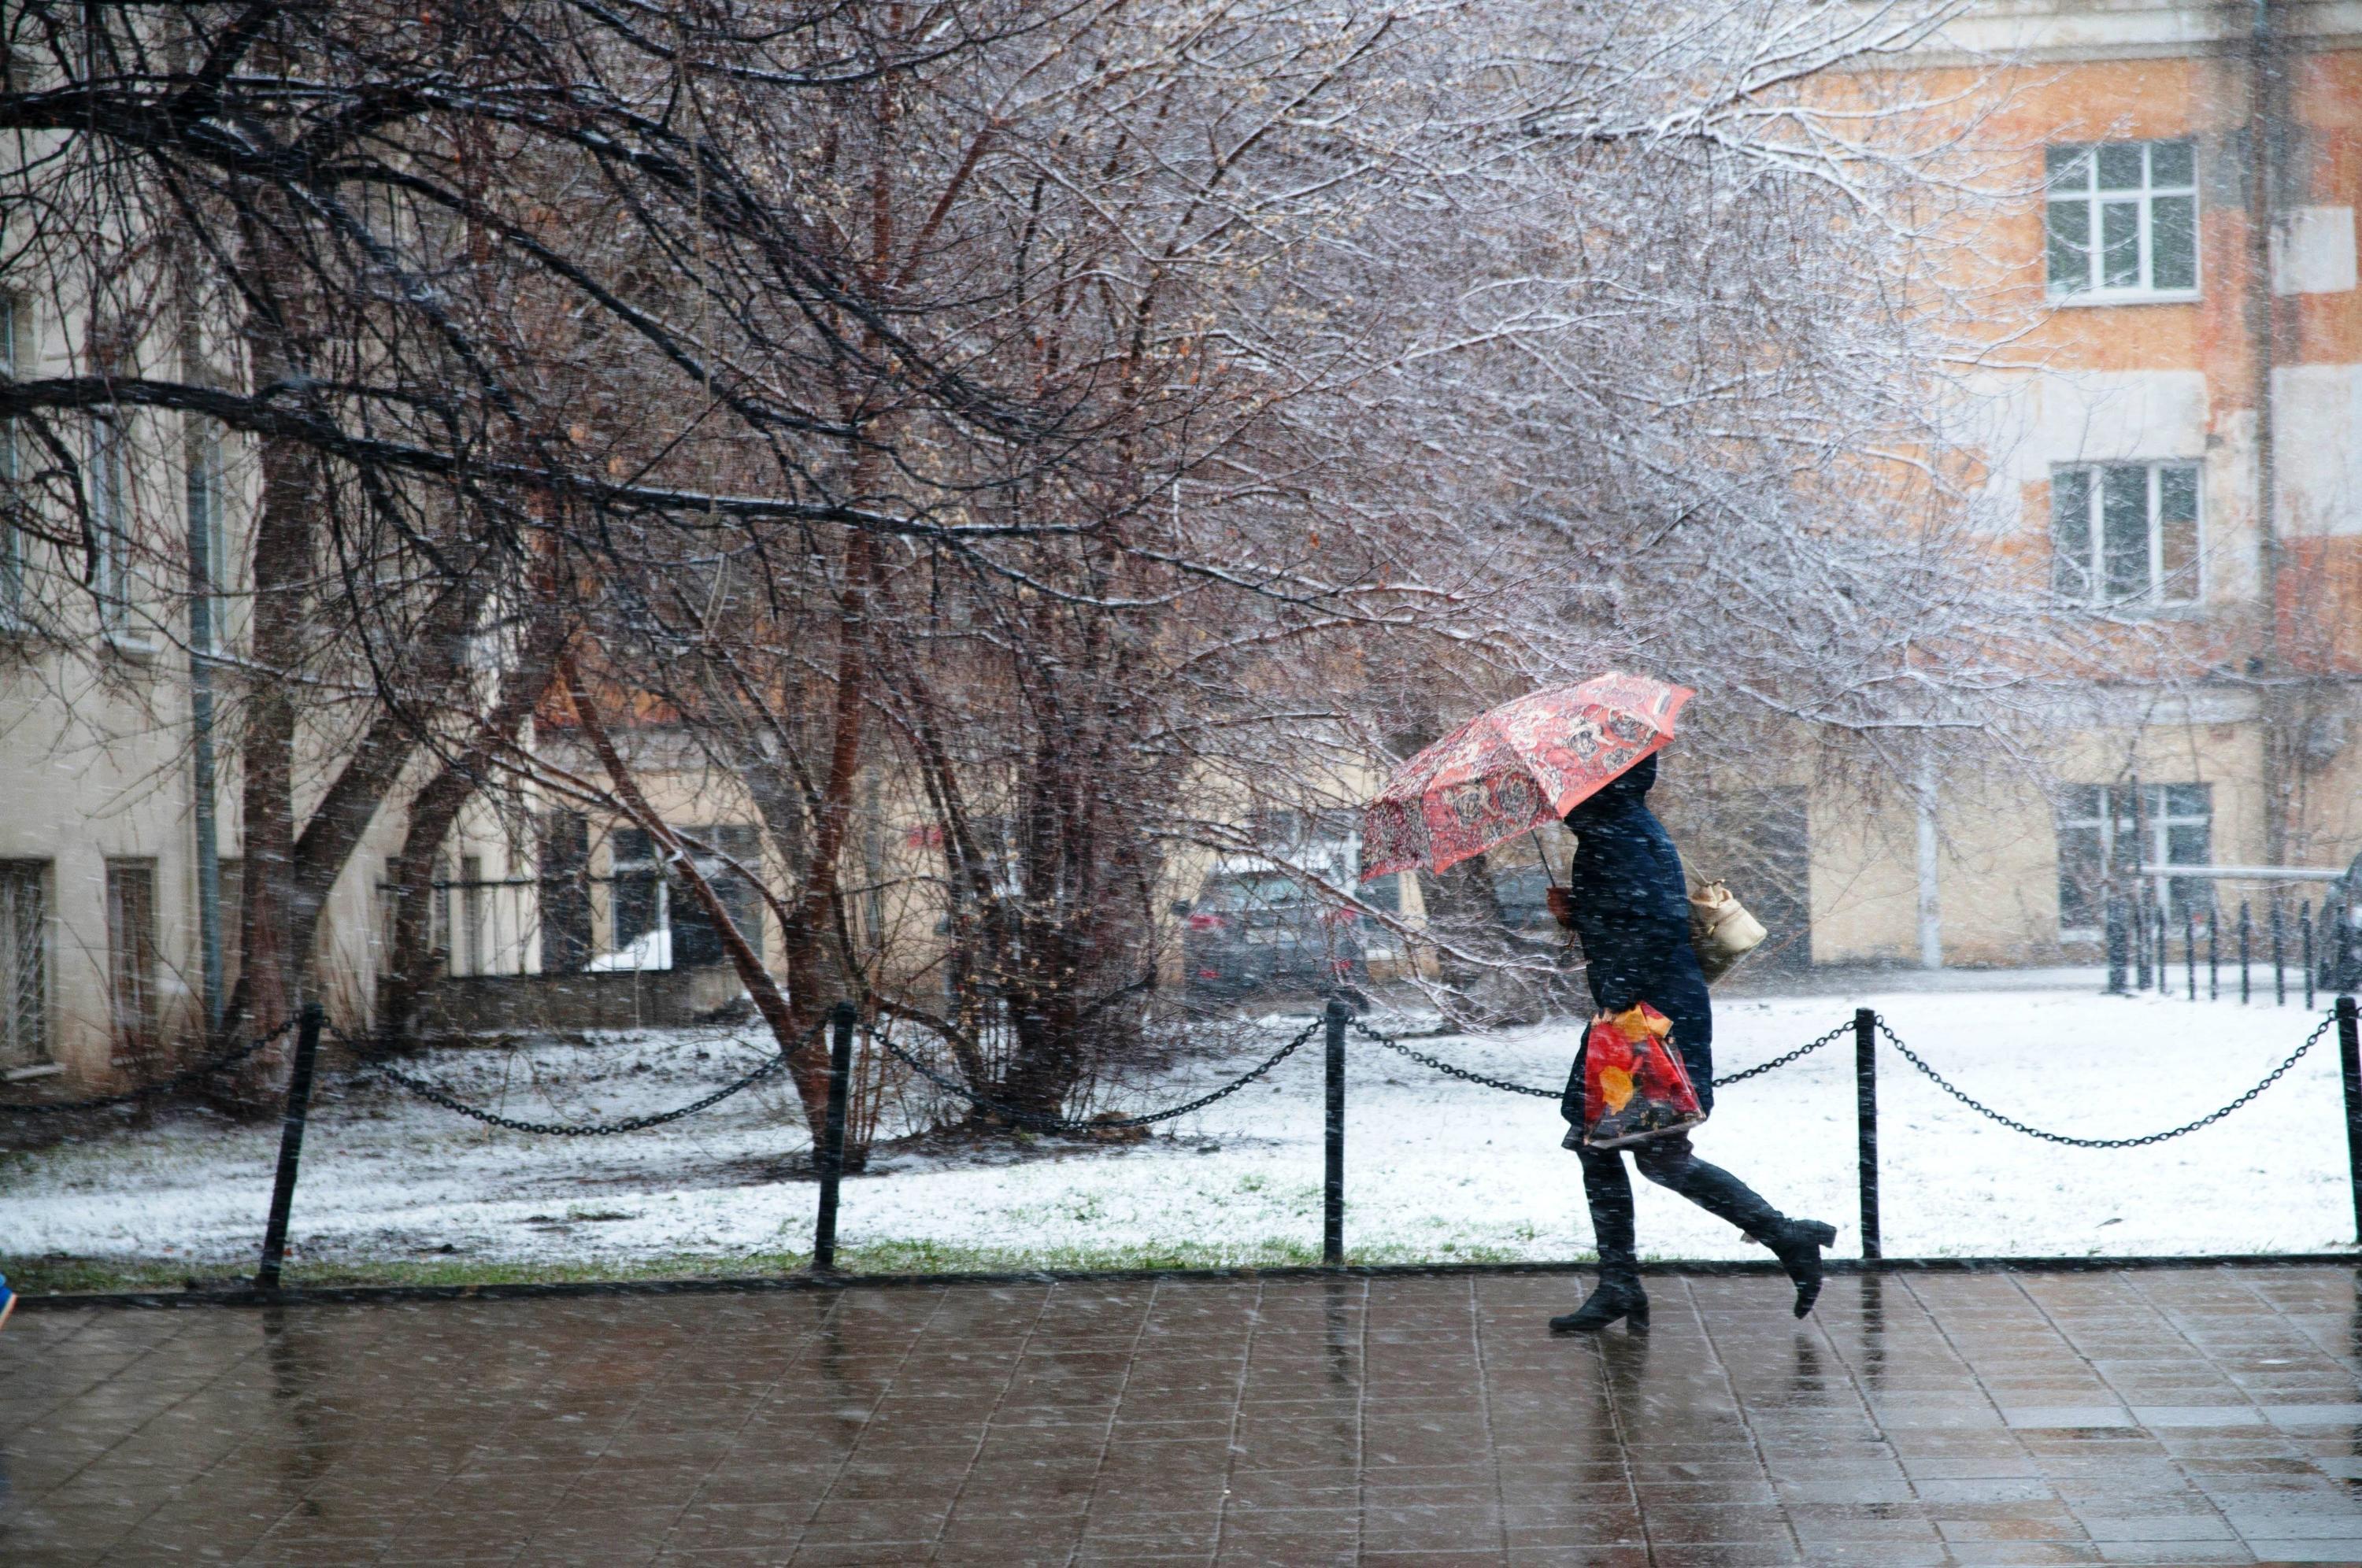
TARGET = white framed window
x,y
2125,533
2121,220
2109,838
472,953
110,515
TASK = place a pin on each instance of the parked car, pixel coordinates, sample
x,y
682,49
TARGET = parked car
x,y
1249,931
1523,893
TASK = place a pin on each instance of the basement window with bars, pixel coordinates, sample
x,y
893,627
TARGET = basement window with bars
x,y
2112,838
2124,534
2121,220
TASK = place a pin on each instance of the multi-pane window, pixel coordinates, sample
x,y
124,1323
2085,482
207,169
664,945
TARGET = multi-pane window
x,y
131,954
110,515
2122,219
471,953
24,963
2111,840
2125,533
647,901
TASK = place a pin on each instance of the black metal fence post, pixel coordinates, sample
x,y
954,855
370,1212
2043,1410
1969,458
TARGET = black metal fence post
x,y
1332,1186
1865,1104
291,1147
2215,955
2247,947
2349,1059
2341,949
2304,934
2113,920
2137,913
2279,959
2164,980
831,1146
2189,949
2336,913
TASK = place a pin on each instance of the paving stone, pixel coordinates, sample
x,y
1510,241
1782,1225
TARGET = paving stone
x,y
2194,1416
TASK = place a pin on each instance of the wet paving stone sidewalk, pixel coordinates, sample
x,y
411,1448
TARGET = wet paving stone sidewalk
x,y
2197,1416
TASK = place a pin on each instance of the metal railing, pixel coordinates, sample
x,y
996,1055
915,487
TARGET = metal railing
x,y
493,927
2151,947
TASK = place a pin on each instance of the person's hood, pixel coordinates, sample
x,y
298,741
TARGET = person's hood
x,y
1619,794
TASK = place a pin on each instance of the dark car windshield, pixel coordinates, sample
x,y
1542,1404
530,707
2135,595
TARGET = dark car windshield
x,y
1250,889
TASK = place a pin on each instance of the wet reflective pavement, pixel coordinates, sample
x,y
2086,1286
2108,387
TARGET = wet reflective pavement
x,y
2193,1416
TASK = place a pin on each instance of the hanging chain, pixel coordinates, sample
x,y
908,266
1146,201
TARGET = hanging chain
x,y
1441,1065
186,1076
2016,1126
1438,1064
1113,1123
1839,1033
436,1096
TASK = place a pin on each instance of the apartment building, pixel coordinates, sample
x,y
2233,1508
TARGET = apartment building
x,y
120,853
2177,444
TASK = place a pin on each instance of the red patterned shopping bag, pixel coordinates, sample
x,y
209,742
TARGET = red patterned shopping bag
x,y
1634,1084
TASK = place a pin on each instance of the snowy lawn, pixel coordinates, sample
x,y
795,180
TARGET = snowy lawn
x,y
1435,1169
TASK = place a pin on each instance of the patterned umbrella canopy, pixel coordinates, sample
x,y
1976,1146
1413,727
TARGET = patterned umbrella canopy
x,y
1523,764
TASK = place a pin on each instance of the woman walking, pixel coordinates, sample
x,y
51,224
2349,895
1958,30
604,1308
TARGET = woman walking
x,y
1628,902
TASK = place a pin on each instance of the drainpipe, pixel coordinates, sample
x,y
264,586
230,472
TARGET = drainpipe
x,y
203,499
203,496
2265,118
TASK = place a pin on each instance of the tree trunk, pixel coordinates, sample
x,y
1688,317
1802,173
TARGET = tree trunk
x,y
271,964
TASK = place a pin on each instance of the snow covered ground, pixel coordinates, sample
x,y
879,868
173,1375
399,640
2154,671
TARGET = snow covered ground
x,y
1435,1169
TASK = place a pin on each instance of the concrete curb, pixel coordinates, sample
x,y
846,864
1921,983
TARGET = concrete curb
x,y
362,1295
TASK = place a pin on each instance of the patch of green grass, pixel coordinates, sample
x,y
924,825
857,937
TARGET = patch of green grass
x,y
60,1274
47,1276
55,1274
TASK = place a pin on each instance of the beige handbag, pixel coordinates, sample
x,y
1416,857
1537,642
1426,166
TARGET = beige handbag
x,y
1721,930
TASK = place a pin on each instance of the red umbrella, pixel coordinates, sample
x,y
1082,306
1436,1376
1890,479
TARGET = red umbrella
x,y
1523,764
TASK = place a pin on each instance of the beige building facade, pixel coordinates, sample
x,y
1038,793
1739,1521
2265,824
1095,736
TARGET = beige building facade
x,y
2175,444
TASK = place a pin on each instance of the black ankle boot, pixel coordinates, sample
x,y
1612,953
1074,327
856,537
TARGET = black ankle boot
x,y
1797,1244
1615,1298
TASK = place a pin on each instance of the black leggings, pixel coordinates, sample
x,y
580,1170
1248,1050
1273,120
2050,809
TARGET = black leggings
x,y
1668,1162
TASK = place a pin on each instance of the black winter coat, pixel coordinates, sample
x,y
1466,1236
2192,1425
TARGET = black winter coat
x,y
1632,912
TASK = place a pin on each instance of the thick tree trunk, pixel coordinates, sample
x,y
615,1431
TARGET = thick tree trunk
x,y
272,963
812,921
